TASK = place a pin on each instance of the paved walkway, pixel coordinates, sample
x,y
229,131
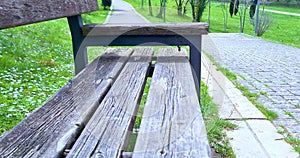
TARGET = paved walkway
x,y
281,12
265,67
123,12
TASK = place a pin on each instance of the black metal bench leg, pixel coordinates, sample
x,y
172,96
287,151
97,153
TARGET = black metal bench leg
x,y
79,51
195,60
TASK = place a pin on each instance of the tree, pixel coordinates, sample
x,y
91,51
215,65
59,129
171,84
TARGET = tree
x,y
234,8
150,8
161,9
198,7
184,7
263,23
209,7
224,6
242,15
181,6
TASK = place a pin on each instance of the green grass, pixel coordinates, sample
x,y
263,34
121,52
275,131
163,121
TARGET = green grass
x,y
214,125
295,142
282,32
142,104
35,62
170,13
279,32
291,115
264,94
138,118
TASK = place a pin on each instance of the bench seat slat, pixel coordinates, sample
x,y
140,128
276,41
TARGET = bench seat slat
x,y
107,133
21,12
53,127
172,124
145,29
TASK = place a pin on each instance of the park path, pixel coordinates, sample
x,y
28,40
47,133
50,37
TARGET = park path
x,y
281,12
264,67
123,12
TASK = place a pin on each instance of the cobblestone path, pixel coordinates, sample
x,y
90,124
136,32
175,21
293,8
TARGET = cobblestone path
x,y
266,67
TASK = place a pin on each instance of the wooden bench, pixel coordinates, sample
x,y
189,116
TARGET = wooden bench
x,y
93,114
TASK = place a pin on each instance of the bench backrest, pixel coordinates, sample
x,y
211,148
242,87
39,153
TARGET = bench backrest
x,y
20,12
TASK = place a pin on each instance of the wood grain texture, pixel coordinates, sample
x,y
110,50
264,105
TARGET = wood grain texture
x,y
107,133
172,124
146,29
20,12
54,126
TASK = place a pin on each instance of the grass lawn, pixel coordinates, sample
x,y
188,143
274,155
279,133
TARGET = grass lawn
x,y
214,125
279,32
35,61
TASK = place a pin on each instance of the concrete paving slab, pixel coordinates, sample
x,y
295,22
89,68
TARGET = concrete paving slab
x,y
272,142
259,138
244,143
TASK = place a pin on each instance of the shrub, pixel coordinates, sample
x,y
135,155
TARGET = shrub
x,y
264,22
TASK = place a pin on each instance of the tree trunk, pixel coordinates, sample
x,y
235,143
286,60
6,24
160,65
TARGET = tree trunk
x,y
225,15
244,16
193,10
150,8
257,17
161,9
184,8
179,8
208,18
200,6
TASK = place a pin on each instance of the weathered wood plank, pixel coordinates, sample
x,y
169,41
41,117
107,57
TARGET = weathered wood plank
x,y
20,12
54,126
145,29
107,133
172,124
